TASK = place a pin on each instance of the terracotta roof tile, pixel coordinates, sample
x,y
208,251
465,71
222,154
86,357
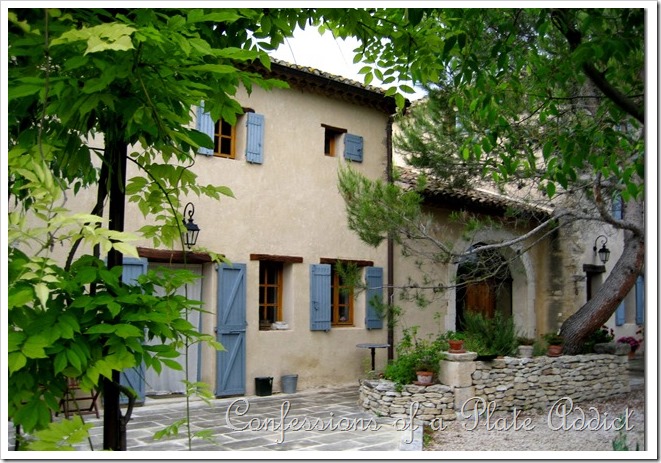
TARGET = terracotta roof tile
x,y
478,199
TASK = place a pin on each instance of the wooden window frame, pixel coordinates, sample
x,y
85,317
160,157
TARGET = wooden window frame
x,y
266,266
218,138
331,139
336,304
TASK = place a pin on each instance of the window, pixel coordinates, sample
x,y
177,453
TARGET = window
x,y
341,300
332,139
224,138
332,300
270,293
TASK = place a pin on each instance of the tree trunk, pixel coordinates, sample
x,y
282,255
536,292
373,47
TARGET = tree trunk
x,y
621,279
114,437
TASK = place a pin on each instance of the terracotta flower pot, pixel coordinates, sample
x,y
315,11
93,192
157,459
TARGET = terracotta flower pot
x,y
424,377
456,346
554,351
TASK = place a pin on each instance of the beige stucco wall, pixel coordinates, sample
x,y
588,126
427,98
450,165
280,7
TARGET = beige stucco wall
x,y
287,206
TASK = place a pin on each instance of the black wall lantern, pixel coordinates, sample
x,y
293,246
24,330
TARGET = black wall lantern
x,y
192,230
604,252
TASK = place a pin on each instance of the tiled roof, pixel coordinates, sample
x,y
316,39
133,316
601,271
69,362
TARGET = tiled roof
x,y
480,200
316,81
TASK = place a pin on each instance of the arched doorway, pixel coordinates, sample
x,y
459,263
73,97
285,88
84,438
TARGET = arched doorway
x,y
484,285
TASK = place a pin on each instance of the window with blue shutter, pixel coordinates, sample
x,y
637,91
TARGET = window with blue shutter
x,y
353,147
206,126
619,315
320,297
617,207
374,295
255,138
640,300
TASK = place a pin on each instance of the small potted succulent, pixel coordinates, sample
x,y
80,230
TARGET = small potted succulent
x,y
555,342
456,341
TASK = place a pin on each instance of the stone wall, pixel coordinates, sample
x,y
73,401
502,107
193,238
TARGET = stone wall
x,y
431,402
537,382
511,382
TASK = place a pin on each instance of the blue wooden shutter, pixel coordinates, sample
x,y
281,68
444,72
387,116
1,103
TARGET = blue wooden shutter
x,y
617,207
320,297
231,330
374,295
206,126
255,138
640,300
133,378
619,315
353,147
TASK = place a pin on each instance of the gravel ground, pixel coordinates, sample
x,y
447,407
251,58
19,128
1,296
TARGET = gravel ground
x,y
535,433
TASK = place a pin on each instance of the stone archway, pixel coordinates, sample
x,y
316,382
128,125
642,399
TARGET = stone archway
x,y
521,287
484,285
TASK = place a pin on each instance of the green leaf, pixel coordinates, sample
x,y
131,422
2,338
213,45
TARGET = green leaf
x,y
34,346
42,293
172,364
60,362
215,68
127,331
550,189
16,361
19,296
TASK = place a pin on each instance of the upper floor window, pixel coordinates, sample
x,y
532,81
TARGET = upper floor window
x,y
224,138
332,137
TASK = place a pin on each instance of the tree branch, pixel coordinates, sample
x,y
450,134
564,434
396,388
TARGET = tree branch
x,y
574,39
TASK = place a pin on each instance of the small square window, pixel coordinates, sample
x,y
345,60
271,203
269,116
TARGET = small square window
x,y
332,139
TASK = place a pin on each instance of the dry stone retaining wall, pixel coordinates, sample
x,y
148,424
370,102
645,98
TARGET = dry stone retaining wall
x,y
511,382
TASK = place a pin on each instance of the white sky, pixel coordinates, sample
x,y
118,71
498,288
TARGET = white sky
x,y
326,53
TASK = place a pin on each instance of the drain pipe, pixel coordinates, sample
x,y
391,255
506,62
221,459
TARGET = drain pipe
x,y
391,247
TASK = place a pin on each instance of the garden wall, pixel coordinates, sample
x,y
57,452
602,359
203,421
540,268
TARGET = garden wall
x,y
511,382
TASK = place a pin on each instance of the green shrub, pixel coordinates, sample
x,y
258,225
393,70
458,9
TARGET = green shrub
x,y
413,355
490,336
554,339
600,336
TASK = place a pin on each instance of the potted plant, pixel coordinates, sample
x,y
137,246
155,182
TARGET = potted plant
x,y
633,342
456,341
555,342
417,359
525,348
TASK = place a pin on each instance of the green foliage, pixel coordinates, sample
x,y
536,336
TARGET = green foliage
x,y
62,435
539,348
620,443
553,339
600,336
414,354
376,208
490,336
525,341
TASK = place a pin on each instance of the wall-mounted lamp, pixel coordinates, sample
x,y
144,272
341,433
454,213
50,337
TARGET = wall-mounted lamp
x,y
192,230
604,252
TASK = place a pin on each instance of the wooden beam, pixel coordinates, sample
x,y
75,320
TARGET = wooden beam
x,y
274,258
359,263
168,256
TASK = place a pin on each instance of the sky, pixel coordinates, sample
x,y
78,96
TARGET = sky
x,y
325,53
